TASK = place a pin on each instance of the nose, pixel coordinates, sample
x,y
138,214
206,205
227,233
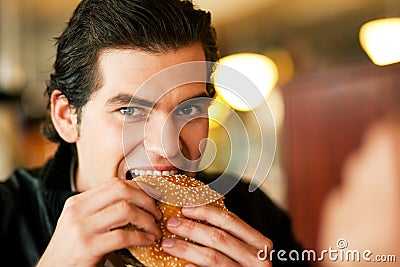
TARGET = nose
x,y
162,137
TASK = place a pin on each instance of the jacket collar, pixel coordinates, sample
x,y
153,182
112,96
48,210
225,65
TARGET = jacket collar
x,y
56,179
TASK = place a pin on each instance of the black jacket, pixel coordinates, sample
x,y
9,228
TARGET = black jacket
x,y
31,202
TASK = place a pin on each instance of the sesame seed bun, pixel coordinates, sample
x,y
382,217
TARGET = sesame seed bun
x,y
178,191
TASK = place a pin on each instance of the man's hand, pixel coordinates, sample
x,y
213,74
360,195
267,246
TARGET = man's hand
x,y
225,241
92,223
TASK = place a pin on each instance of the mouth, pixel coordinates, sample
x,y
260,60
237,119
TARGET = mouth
x,y
132,174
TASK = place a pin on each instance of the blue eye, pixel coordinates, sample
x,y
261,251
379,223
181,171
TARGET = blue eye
x,y
133,114
189,110
192,108
128,111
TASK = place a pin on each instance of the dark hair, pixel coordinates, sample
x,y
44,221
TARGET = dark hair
x,y
150,25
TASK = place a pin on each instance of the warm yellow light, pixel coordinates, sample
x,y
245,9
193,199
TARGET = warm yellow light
x,y
218,112
380,39
253,78
284,63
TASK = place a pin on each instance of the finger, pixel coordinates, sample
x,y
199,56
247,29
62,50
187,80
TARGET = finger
x,y
121,238
229,222
201,256
216,238
110,192
122,214
95,190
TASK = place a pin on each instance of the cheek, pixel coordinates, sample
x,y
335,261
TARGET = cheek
x,y
132,135
101,134
100,148
191,137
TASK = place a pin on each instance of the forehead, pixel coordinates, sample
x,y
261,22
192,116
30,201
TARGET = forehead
x,y
149,75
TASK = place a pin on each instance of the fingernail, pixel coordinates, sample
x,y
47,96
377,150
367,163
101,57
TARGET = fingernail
x,y
174,222
188,209
153,192
168,243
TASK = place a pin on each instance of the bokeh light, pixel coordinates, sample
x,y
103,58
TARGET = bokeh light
x,y
217,112
259,69
381,40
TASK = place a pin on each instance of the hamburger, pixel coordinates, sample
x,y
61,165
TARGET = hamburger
x,y
178,191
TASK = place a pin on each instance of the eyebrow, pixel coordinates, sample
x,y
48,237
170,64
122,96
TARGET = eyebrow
x,y
202,94
126,99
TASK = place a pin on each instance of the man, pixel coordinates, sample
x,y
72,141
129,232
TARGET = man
x,y
108,50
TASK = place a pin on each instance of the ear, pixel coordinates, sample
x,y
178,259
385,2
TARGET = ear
x,y
64,117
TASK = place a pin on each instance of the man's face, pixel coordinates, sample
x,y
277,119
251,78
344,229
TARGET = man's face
x,y
126,127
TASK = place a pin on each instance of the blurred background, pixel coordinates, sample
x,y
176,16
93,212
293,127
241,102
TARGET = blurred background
x,y
327,91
